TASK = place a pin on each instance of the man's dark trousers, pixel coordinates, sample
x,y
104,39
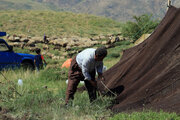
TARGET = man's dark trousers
x,y
74,77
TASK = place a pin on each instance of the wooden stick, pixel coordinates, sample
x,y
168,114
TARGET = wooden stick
x,y
169,3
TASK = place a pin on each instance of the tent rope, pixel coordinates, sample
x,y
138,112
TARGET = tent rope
x,y
108,89
101,96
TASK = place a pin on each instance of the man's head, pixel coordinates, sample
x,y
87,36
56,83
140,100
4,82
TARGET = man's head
x,y
38,51
100,53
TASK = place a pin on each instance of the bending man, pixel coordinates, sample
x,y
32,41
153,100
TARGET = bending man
x,y
83,68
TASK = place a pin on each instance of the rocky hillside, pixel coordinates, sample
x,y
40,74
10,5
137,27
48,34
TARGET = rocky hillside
x,y
122,10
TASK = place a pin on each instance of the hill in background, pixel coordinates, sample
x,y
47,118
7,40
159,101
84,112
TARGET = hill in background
x,y
121,10
36,23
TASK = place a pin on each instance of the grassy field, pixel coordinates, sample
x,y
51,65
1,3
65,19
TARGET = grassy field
x,y
42,95
38,23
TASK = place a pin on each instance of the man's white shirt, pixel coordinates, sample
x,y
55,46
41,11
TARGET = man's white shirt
x,y
87,63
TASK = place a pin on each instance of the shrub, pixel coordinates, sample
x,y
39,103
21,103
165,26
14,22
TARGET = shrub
x,y
115,55
143,24
126,42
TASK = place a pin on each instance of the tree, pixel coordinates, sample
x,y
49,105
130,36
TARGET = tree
x,y
143,24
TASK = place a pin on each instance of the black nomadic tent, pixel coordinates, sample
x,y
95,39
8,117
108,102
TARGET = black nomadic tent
x,y
149,73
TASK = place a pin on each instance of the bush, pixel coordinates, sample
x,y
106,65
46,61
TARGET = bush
x,y
143,24
115,55
126,42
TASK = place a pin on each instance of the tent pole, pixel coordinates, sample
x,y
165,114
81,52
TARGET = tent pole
x,y
169,3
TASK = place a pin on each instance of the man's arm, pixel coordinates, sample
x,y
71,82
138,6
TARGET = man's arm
x,y
100,76
43,59
100,71
85,71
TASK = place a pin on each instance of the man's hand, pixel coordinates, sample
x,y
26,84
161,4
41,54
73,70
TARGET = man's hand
x,y
100,76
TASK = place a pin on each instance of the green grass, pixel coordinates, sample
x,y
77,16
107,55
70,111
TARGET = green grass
x,y
115,53
38,23
45,103
17,50
38,102
146,115
43,94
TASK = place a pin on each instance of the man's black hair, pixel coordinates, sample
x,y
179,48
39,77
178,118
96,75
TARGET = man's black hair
x,y
101,52
38,50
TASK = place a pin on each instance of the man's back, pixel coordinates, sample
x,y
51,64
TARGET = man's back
x,y
87,54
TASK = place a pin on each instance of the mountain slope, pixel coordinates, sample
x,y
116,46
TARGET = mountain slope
x,y
25,5
117,9
36,23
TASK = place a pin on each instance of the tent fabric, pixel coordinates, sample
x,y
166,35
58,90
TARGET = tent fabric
x,y
67,63
150,71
